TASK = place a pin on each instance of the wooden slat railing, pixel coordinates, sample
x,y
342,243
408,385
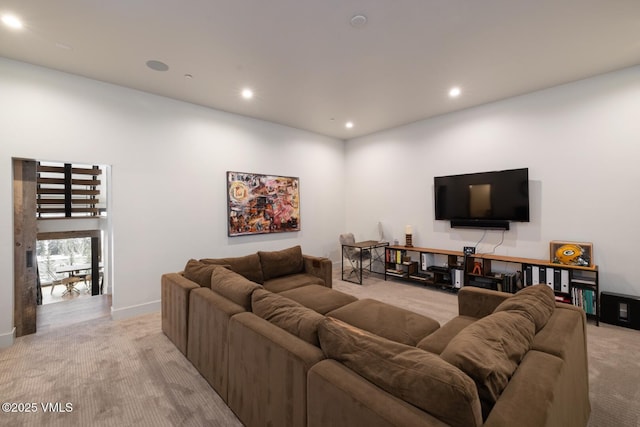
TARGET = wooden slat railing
x,y
60,191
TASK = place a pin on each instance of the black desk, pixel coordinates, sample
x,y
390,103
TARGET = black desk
x,y
362,257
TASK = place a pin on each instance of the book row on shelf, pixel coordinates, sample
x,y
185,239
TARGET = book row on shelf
x,y
394,256
585,299
511,282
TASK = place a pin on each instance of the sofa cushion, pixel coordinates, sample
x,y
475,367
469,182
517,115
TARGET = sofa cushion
x,y
281,263
200,272
385,320
537,302
413,375
319,298
287,314
247,266
284,283
490,350
233,286
439,339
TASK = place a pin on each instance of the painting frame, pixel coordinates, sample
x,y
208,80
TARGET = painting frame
x,y
571,253
262,203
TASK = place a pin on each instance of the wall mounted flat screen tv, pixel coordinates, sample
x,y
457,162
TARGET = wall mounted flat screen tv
x,y
483,200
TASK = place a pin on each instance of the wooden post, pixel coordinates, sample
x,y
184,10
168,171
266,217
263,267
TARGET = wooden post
x,y
25,259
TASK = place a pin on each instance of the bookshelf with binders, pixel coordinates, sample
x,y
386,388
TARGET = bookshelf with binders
x,y
571,284
449,269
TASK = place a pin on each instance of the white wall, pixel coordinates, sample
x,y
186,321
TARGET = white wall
x,y
168,184
580,141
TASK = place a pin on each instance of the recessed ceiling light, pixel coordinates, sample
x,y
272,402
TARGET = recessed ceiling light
x,y
247,93
348,125
157,65
454,92
188,76
12,21
358,21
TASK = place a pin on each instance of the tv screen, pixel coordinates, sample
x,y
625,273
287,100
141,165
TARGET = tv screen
x,y
487,196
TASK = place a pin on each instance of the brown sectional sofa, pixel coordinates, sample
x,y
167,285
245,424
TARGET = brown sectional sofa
x,y
298,353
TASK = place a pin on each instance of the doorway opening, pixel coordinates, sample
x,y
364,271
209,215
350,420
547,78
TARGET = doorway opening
x,y
60,227
66,266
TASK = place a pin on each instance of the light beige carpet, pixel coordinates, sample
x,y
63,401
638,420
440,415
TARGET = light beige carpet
x,y
128,373
113,373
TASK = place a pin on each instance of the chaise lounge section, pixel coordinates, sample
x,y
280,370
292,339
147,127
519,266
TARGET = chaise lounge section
x,y
513,359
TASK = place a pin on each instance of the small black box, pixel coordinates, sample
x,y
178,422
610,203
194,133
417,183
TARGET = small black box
x,y
621,310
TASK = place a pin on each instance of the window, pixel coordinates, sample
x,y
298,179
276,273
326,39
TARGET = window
x,y
53,254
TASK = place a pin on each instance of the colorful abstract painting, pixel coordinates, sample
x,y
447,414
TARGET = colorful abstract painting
x,y
259,204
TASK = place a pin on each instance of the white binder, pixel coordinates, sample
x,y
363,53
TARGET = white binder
x,y
535,275
564,281
550,277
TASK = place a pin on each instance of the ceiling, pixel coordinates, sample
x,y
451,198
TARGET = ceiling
x,y
311,69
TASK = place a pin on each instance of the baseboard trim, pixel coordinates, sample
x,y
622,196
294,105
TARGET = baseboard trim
x,y
135,310
7,340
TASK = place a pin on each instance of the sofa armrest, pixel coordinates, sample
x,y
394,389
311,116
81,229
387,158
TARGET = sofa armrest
x,y
207,343
268,372
175,308
479,302
320,267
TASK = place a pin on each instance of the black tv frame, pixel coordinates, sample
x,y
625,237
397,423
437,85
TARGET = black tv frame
x,y
482,223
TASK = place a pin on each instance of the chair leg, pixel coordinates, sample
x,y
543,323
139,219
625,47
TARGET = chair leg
x,y
70,283
53,285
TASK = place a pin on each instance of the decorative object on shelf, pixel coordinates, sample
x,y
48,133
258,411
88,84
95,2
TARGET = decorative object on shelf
x,y
477,268
408,232
381,231
571,253
259,204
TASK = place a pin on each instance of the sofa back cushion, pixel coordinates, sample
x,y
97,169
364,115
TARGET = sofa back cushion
x,y
537,302
287,314
247,266
281,263
233,286
413,375
490,350
200,272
